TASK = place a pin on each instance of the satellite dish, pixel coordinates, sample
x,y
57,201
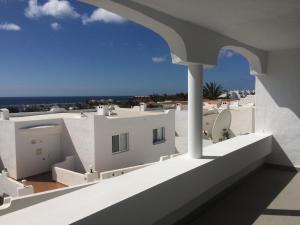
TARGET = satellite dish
x,y
220,130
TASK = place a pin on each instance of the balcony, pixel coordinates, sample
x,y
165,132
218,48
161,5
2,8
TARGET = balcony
x,y
220,184
162,193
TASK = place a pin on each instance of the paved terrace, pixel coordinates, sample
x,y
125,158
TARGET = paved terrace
x,y
43,182
267,197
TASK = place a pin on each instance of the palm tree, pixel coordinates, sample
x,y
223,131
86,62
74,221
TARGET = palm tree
x,y
212,90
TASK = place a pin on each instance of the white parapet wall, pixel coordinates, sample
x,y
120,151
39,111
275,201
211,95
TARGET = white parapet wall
x,y
119,172
12,204
68,163
11,187
64,173
158,194
71,178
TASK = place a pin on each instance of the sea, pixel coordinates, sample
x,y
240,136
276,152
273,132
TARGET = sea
x,y
15,101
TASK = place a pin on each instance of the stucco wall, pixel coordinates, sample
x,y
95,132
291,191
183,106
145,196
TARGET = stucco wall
x,y
13,188
45,139
278,105
78,140
242,120
8,147
141,148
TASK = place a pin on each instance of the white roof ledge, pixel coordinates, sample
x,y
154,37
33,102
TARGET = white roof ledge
x,y
149,195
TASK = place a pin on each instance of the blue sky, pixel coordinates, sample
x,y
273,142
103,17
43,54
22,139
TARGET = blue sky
x,y
80,50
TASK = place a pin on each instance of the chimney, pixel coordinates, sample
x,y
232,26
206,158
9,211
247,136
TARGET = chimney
x,y
143,106
4,114
103,110
178,107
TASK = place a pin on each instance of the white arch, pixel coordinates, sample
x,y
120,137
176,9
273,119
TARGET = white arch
x,y
189,43
254,61
156,21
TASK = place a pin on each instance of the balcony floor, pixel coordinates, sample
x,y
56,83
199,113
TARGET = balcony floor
x,y
267,197
43,182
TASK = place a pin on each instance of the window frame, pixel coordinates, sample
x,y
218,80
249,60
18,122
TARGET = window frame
x,y
119,143
160,141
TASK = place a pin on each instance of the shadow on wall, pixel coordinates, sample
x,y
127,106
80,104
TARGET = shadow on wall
x,y
278,156
1,165
69,149
243,203
278,108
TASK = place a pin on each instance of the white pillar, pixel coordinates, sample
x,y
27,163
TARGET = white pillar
x,y
195,107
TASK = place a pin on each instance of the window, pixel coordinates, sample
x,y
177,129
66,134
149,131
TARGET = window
x,y
158,135
120,143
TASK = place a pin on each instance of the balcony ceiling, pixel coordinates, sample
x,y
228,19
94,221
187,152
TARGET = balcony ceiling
x,y
265,24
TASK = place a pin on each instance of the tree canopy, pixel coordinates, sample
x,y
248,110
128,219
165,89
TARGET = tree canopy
x,y
212,90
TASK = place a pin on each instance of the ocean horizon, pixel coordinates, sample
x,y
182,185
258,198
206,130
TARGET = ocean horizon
x,y
13,101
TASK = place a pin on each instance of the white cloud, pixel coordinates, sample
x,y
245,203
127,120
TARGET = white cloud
x,y
226,53
55,8
9,27
56,26
158,59
102,15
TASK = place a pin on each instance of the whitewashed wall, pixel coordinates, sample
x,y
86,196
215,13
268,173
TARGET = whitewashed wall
x,y
88,139
67,177
242,120
8,147
30,163
141,148
278,105
12,187
78,140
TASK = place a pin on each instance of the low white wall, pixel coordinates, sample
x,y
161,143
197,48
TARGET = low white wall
x,y
157,194
67,177
237,157
12,187
118,172
64,173
13,204
68,163
166,157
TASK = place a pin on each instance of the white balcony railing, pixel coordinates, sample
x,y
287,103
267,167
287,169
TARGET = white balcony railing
x,y
161,193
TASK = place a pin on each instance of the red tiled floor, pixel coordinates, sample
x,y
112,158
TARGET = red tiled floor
x,y
43,182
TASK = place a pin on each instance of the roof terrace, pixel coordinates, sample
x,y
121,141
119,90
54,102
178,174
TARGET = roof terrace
x,y
117,113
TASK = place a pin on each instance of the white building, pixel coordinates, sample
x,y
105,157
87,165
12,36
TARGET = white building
x,y
31,145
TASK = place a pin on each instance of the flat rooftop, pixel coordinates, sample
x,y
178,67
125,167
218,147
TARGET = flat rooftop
x,y
269,196
118,113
